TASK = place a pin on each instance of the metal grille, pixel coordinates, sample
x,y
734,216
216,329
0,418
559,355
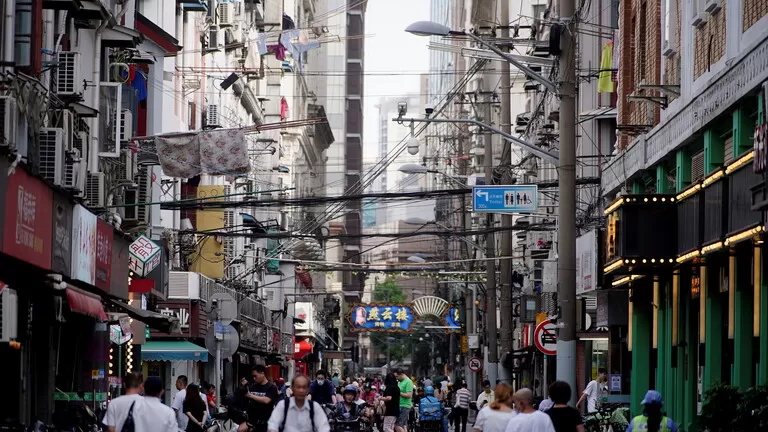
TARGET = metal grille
x,y
51,154
728,152
697,166
548,303
66,74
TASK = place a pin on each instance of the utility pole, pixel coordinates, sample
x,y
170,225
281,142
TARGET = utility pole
x,y
491,329
566,244
505,296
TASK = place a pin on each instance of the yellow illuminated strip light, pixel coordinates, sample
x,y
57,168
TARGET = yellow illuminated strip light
x,y
688,192
740,162
712,247
717,175
615,205
613,266
675,306
703,304
744,235
689,256
626,279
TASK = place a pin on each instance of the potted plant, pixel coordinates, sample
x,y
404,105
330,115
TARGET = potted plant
x,y
722,404
753,410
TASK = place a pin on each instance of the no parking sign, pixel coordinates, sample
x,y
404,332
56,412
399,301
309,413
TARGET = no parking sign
x,y
545,337
475,364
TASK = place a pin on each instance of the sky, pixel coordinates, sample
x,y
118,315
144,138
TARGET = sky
x,y
393,58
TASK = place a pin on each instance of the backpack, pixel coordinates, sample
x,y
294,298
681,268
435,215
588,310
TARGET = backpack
x,y
287,404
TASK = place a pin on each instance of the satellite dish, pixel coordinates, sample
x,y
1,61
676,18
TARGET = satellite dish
x,y
226,306
226,336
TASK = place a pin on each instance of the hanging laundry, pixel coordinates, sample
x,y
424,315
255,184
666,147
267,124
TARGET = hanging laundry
x,y
261,43
303,37
297,49
224,151
288,23
179,155
605,80
279,50
283,108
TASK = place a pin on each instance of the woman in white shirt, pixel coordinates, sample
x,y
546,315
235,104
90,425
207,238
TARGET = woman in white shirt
x,y
495,416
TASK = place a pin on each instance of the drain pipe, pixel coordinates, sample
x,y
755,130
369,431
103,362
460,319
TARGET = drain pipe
x,y
9,11
93,161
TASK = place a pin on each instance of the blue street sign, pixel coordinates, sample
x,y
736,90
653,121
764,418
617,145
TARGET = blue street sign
x,y
505,199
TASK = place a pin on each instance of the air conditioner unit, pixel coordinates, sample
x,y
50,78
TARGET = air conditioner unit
x,y
699,20
52,155
68,124
143,193
95,190
126,125
9,117
226,14
72,171
212,116
127,169
712,6
9,314
68,79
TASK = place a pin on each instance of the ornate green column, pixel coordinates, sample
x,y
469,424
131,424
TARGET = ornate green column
x,y
743,362
713,347
641,341
763,378
662,366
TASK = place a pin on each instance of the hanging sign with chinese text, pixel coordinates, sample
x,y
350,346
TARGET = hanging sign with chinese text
x,y
145,255
381,317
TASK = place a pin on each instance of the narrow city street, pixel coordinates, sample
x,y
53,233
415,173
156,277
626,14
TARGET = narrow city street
x,y
389,215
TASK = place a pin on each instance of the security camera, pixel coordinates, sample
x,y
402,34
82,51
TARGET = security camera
x,y
402,108
429,109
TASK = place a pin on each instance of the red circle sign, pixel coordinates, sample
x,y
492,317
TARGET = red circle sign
x,y
545,337
475,364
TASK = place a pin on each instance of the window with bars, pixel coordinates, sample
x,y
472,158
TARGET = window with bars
x,y
697,166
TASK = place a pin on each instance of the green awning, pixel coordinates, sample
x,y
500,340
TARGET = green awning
x,y
173,350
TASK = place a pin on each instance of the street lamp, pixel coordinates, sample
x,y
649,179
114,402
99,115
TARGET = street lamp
x,y
413,168
431,28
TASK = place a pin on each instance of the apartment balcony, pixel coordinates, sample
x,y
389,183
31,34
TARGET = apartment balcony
x,y
747,72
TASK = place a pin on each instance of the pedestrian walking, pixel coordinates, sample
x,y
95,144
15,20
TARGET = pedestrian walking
x,y
495,416
118,408
406,398
262,395
195,409
486,396
299,413
565,418
461,407
150,414
178,402
528,419
594,391
653,418
321,390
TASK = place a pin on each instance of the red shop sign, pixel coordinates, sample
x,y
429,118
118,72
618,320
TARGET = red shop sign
x,y
104,234
28,227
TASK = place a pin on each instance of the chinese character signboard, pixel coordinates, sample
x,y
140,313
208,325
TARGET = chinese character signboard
x,y
191,316
62,235
83,244
381,317
586,262
28,227
104,234
144,256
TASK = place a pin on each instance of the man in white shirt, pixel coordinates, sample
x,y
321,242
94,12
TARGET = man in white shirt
x,y
528,419
117,410
486,396
178,402
594,391
150,414
301,415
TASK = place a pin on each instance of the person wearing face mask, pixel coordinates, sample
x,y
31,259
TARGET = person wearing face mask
x,y
321,390
486,396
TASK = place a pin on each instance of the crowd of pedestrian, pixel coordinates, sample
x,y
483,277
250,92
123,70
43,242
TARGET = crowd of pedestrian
x,y
389,401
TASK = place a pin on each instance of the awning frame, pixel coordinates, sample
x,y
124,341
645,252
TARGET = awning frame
x,y
184,351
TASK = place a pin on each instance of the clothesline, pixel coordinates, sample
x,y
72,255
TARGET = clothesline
x,y
244,129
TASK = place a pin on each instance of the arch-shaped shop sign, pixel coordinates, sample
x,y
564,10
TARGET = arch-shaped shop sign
x,y
401,317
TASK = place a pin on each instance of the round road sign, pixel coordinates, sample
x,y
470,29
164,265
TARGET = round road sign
x,y
475,364
545,337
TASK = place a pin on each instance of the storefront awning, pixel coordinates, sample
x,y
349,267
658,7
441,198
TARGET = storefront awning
x,y
153,320
302,348
85,303
173,350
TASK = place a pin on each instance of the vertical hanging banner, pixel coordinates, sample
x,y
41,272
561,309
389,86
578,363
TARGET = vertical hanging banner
x,y
104,234
83,245
28,226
